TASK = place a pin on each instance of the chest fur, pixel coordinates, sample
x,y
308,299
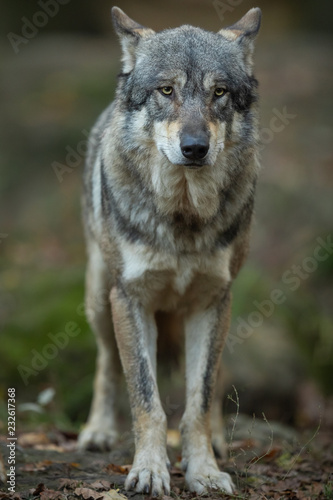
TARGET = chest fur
x,y
167,282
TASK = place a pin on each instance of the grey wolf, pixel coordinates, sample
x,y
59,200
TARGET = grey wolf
x,y
169,191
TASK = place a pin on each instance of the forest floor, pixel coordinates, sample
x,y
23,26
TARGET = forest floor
x,y
266,461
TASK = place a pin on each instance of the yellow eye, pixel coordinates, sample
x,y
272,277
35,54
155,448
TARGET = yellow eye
x,y
220,91
166,90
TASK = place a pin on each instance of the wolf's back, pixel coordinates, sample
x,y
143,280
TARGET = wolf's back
x,y
94,142
92,166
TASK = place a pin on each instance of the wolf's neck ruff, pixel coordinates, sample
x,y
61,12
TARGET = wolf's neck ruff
x,y
156,198
164,216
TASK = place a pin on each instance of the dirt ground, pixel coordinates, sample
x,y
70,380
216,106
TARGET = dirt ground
x,y
266,460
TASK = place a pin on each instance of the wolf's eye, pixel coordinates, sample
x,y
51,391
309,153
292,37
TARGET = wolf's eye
x,y
219,91
166,90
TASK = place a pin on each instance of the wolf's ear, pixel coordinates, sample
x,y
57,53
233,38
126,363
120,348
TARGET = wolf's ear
x,y
244,33
129,33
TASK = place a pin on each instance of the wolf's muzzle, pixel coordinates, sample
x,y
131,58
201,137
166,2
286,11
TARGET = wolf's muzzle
x,y
194,147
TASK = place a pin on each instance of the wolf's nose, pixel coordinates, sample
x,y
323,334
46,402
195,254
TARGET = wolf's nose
x,y
194,148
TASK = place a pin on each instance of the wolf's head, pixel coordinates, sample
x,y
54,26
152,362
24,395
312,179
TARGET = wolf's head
x,y
183,87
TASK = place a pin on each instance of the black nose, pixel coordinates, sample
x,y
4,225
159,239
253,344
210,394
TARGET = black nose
x,y
194,147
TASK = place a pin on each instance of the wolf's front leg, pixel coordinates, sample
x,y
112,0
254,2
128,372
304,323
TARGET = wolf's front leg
x,y
205,334
136,335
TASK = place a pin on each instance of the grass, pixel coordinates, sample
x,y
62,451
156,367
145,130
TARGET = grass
x,y
328,490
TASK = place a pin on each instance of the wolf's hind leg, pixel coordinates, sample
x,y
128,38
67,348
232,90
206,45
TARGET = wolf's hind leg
x,y
100,431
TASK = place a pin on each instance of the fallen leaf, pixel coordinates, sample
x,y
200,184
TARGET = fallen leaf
x,y
11,496
176,471
119,469
113,495
272,454
36,467
51,495
32,439
46,396
101,485
243,444
50,447
38,490
74,464
87,493
68,446
316,488
69,483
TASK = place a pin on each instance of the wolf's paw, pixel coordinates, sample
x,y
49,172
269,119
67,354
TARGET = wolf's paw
x,y
152,478
96,439
207,478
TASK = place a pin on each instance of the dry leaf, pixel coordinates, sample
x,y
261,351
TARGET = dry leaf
x,y
38,490
101,485
273,453
68,446
243,444
50,447
11,496
69,483
36,467
113,495
316,488
119,469
51,495
176,471
32,439
87,493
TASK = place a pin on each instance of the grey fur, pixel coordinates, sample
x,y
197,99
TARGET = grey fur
x,y
167,229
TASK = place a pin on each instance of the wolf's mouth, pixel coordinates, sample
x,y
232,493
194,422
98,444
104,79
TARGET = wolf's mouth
x,y
193,166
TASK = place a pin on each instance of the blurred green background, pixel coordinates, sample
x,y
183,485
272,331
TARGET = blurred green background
x,y
54,83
